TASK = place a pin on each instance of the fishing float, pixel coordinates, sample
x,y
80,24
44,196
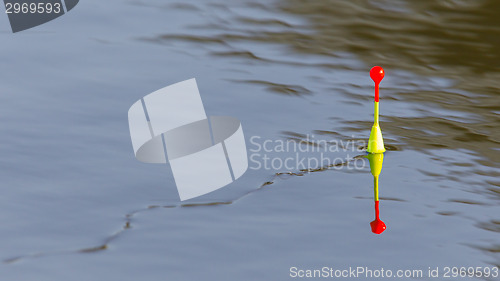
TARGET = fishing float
x,y
376,150
376,161
376,142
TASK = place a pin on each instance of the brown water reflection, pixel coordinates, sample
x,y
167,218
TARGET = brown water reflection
x,y
451,39
456,41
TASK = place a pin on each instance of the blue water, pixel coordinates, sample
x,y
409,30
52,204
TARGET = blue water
x,y
76,205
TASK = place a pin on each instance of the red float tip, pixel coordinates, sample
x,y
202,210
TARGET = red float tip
x,y
377,74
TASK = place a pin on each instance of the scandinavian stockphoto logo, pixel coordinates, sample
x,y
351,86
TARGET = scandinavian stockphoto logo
x,y
25,14
205,153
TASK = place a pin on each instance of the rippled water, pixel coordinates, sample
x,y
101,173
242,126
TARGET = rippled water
x,y
76,205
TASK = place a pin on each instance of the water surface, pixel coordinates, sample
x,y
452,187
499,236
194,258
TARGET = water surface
x,y
76,205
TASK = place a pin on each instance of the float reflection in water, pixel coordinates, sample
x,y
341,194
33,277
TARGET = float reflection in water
x,y
376,160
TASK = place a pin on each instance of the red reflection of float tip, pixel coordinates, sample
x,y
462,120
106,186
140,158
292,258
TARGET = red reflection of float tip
x,y
377,225
377,74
